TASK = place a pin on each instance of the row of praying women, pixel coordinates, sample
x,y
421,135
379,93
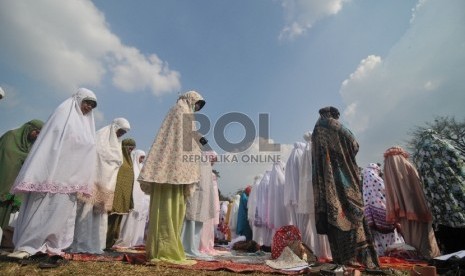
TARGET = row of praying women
x,y
70,179
73,182
78,186
319,191
353,216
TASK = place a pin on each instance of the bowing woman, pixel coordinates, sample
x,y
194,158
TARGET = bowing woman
x,y
60,164
169,178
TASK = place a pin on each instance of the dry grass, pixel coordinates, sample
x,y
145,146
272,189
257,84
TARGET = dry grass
x,y
105,268
121,269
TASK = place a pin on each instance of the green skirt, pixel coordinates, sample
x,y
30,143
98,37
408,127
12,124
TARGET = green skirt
x,y
167,211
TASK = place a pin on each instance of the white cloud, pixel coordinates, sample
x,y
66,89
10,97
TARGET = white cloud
x,y
418,6
365,67
431,85
136,72
300,15
420,78
68,44
365,72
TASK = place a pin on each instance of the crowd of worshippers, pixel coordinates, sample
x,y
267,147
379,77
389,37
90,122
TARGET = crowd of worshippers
x,y
410,209
66,188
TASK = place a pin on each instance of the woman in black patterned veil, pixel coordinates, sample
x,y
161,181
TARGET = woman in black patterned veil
x,y
337,191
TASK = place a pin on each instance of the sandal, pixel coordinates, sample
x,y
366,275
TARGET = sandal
x,y
19,255
37,258
53,261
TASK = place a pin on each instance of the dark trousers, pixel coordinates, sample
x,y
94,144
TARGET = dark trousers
x,y
450,239
114,224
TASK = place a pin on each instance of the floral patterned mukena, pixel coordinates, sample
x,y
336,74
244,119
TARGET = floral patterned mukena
x,y
442,169
174,157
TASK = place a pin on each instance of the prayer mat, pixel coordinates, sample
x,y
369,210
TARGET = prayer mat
x,y
232,261
86,257
399,264
258,257
232,267
287,260
129,250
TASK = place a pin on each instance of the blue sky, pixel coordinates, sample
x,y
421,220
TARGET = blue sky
x,y
388,65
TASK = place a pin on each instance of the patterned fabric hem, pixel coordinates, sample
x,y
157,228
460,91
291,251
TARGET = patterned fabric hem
x,y
51,188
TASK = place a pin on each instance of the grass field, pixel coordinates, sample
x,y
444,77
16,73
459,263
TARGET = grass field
x,y
91,268
104,268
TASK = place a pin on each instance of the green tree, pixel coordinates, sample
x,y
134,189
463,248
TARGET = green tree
x,y
447,127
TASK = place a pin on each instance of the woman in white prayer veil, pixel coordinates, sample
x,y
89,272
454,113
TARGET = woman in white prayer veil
x,y
306,205
292,179
207,234
261,233
92,217
278,213
207,175
251,203
133,224
199,208
293,176
60,164
233,216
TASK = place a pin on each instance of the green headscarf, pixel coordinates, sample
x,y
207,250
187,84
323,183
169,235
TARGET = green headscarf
x,y
14,148
128,142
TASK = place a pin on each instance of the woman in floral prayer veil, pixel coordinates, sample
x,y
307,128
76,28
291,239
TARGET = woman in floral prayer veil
x,y
171,168
441,166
